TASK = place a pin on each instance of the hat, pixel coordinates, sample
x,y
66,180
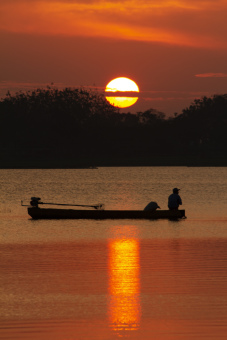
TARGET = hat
x,y
176,190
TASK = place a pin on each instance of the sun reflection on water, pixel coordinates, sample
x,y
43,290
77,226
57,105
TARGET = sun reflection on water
x,y
124,284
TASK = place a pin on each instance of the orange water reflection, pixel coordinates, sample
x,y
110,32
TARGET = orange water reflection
x,y
124,284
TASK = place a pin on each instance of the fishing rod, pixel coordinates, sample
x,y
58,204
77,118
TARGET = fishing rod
x,y
96,206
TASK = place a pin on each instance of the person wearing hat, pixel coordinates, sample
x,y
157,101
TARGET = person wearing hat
x,y
174,200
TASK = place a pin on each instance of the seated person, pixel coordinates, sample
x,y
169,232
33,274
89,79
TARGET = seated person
x,y
152,206
174,200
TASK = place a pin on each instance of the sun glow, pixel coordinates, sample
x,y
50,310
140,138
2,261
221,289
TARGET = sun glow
x,y
124,87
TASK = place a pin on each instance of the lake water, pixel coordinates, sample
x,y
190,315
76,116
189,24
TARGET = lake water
x,y
104,280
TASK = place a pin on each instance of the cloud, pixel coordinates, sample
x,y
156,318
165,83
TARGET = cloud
x,y
195,23
211,75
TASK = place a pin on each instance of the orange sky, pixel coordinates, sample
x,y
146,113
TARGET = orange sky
x,y
174,50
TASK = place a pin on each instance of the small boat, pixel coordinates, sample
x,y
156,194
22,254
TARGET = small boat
x,y
48,213
99,213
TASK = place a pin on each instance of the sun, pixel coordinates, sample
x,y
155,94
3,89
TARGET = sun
x,y
126,88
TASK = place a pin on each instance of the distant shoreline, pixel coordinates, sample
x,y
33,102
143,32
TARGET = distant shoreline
x,y
55,166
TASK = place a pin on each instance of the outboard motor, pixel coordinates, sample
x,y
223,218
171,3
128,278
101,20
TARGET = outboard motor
x,y
35,201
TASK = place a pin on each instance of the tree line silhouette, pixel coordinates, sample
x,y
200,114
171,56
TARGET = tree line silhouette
x,y
51,128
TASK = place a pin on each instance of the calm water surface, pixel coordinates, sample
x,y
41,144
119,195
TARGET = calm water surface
x,y
72,280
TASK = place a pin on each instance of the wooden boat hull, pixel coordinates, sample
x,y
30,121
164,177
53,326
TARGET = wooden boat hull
x,y
40,213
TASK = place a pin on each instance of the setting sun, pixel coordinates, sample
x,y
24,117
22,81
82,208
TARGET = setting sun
x,y
122,86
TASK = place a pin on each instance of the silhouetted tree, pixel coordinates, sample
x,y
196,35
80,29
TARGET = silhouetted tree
x,y
70,127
